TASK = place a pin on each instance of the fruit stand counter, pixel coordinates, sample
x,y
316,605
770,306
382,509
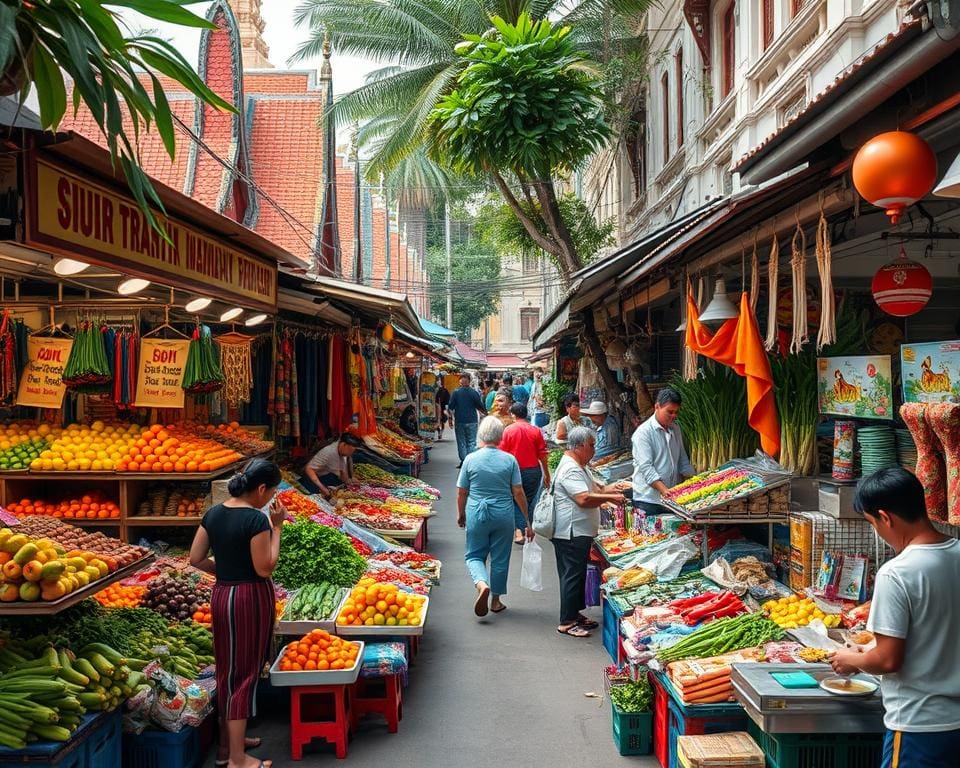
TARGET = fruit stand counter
x,y
126,490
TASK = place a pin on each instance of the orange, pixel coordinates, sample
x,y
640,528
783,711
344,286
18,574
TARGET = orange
x,y
168,466
310,664
323,664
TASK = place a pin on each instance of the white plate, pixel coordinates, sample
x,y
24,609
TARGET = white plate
x,y
870,686
316,677
351,630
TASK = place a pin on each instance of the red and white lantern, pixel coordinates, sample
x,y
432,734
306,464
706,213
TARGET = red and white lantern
x,y
902,287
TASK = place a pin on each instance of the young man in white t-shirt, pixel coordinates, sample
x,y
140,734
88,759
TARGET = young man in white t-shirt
x,y
331,466
915,618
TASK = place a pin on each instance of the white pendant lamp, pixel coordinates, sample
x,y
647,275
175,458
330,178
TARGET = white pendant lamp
x,y
949,185
231,314
255,319
132,285
69,267
197,305
720,307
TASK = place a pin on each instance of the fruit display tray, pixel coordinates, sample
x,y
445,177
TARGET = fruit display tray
x,y
315,677
351,630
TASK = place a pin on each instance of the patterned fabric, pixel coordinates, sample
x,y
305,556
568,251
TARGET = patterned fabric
x,y
931,468
382,659
944,420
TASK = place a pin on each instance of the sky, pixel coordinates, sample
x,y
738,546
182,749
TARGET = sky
x,y
280,33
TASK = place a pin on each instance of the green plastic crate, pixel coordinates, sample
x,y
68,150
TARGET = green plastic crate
x,y
819,750
632,731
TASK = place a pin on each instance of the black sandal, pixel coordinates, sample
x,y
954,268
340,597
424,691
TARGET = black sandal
x,y
574,630
587,623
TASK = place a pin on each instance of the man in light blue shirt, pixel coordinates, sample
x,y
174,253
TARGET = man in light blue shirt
x,y
659,459
606,427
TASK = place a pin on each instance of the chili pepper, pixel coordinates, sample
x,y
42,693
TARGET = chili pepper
x,y
689,602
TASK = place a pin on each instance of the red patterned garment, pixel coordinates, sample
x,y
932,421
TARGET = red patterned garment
x,y
944,420
931,467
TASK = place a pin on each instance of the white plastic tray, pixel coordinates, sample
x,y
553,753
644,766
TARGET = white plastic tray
x,y
316,677
351,630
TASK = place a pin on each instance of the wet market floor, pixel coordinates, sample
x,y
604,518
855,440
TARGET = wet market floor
x,y
502,691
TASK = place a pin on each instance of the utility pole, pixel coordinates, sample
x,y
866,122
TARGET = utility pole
x,y
446,215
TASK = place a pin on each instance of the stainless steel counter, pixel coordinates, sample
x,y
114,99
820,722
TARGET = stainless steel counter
x,y
776,709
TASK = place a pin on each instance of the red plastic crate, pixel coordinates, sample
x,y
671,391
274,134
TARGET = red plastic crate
x,y
661,723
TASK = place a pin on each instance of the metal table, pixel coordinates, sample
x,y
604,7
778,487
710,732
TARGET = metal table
x,y
776,709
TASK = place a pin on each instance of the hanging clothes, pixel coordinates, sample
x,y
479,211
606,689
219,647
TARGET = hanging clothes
x,y
323,388
428,404
338,386
359,387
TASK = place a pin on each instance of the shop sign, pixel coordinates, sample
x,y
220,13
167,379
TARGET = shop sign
x,y
860,387
931,372
82,219
160,373
42,384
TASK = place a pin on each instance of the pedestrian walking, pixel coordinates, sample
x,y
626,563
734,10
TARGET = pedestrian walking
x,y
443,400
577,502
525,443
487,489
571,405
501,406
493,386
537,405
466,408
246,545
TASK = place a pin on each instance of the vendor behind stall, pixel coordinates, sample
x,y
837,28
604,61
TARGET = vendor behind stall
x,y
332,466
606,427
659,458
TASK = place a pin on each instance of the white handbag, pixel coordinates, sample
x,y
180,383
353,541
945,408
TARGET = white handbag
x,y
545,513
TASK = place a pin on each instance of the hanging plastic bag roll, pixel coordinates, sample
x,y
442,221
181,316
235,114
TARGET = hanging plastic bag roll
x,y
531,571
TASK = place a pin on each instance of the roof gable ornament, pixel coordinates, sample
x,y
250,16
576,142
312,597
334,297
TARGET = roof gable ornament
x,y
697,14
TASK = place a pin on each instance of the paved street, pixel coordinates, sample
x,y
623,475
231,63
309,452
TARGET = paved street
x,y
504,691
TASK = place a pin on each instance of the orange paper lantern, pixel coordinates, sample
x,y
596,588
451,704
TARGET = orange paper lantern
x,y
902,287
894,170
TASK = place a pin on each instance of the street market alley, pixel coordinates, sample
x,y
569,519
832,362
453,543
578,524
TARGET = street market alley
x,y
505,691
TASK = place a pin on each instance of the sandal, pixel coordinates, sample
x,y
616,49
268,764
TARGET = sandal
x,y
481,606
574,631
501,609
586,622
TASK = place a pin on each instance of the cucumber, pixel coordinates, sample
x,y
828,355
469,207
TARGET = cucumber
x,y
102,666
84,667
110,654
69,674
51,732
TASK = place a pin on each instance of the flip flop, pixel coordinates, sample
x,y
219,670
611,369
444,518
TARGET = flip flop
x,y
501,609
587,623
574,631
481,607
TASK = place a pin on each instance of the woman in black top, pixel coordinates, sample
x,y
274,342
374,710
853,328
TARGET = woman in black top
x,y
246,546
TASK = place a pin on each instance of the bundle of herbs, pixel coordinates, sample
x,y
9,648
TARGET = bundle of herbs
x,y
714,416
311,553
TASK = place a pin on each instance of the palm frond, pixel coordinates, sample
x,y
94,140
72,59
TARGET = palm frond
x,y
400,91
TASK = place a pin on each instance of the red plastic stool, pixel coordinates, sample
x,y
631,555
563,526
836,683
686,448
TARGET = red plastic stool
x,y
335,731
370,697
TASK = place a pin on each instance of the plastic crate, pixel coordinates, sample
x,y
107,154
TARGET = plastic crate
x,y
90,747
162,749
610,630
661,722
819,750
104,747
679,725
697,711
632,731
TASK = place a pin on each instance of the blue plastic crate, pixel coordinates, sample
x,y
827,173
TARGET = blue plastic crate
x,y
699,726
104,747
610,630
162,749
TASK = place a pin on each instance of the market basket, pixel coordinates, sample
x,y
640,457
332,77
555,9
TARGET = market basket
x,y
819,750
632,731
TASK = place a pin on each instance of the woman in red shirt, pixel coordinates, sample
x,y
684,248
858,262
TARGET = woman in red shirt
x,y
525,443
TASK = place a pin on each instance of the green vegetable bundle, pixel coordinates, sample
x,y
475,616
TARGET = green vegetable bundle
x,y
722,636
202,373
184,649
87,365
553,459
635,696
311,553
314,602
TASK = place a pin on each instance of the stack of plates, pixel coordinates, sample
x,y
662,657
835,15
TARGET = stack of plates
x,y
906,450
878,448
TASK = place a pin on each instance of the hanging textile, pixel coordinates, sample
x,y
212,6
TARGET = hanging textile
x,y
256,410
737,343
323,391
359,387
338,387
428,404
8,361
236,353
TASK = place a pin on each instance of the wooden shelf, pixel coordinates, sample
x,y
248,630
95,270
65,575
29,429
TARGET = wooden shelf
x,y
107,521
48,609
160,520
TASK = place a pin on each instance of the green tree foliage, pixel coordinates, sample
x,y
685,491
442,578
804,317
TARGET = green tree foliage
x,y
475,266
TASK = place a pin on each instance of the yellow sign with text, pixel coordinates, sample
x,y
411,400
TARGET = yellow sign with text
x,y
42,382
160,374
90,222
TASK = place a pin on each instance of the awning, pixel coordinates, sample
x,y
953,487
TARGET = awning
x,y
472,358
385,305
504,360
426,347
435,329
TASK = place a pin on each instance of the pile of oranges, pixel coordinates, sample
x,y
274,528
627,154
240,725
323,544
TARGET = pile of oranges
x,y
92,506
373,604
203,616
119,596
167,449
319,651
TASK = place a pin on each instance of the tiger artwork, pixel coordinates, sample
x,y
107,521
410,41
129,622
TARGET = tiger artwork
x,y
934,382
844,392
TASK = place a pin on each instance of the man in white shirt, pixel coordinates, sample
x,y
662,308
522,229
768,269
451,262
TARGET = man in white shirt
x,y
331,466
914,617
659,459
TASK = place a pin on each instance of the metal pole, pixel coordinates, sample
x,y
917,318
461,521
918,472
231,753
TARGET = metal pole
x,y
446,212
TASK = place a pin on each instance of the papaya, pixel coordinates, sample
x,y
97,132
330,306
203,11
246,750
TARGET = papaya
x,y
82,577
13,543
92,572
102,568
53,591
33,571
12,571
29,591
53,570
9,593
77,562
25,554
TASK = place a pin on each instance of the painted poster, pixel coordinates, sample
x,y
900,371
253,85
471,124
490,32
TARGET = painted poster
x,y
858,387
931,372
160,378
42,382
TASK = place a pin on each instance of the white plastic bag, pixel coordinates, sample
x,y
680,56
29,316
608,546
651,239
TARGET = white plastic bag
x,y
531,572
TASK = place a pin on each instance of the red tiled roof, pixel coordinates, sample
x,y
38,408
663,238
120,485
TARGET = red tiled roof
x,y
504,360
844,78
469,354
275,82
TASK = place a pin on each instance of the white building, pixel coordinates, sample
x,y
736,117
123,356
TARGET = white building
x,y
721,77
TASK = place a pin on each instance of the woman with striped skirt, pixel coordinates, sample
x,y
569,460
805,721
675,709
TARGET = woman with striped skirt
x,y
246,546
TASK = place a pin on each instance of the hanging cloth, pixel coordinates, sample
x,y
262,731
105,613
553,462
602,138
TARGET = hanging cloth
x,y
359,390
737,343
236,353
338,387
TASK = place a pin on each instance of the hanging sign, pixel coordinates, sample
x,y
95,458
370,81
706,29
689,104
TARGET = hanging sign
x,y
42,382
855,386
160,375
81,219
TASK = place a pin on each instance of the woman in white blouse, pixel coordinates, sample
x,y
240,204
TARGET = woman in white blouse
x,y
578,500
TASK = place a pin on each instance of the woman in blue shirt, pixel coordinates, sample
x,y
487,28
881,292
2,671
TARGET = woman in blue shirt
x,y
487,489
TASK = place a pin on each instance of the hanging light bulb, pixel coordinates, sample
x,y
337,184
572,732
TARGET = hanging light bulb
x,y
132,285
255,319
197,305
410,355
231,314
720,306
69,266
949,185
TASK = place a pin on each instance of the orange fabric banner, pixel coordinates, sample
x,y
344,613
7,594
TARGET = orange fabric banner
x,y
737,343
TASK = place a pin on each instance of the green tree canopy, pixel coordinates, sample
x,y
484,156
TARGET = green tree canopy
x,y
475,270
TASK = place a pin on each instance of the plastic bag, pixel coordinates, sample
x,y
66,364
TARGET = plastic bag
x,y
531,572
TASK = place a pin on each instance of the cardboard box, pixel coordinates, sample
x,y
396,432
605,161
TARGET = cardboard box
x,y
804,494
837,501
